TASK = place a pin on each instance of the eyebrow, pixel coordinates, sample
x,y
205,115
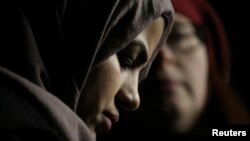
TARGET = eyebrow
x,y
142,56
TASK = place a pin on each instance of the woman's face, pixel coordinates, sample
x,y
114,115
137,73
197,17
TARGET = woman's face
x,y
182,74
113,85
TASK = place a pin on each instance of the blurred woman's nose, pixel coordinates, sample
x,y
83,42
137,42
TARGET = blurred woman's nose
x,y
166,55
128,97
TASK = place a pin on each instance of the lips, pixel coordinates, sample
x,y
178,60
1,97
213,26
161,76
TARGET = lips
x,y
110,119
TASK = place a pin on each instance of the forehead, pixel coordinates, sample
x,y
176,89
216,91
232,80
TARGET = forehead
x,y
151,35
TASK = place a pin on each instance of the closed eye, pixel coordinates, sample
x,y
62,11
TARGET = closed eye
x,y
133,56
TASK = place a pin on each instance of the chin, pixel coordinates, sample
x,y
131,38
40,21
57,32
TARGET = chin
x,y
185,126
180,117
92,132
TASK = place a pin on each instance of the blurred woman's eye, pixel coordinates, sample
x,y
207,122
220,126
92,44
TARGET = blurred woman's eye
x,y
184,43
185,50
183,39
174,38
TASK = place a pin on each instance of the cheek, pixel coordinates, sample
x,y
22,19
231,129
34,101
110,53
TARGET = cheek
x,y
112,78
100,89
195,69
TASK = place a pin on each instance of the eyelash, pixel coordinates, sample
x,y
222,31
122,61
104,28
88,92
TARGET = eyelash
x,y
125,61
133,56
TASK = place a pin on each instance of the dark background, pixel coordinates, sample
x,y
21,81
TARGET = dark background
x,y
235,16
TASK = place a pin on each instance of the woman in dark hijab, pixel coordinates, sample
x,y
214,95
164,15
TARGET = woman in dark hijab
x,y
66,72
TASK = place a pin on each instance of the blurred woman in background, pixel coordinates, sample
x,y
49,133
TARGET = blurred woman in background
x,y
187,92
187,89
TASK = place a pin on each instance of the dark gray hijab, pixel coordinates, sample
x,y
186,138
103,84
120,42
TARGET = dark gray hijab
x,y
101,24
48,48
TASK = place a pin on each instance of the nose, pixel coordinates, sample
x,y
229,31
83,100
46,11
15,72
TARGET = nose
x,y
166,63
166,55
128,98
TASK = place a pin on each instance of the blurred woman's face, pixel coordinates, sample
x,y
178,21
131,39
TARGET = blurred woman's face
x,y
113,84
182,74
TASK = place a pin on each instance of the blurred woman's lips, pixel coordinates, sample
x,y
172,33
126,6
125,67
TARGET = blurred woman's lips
x,y
168,85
